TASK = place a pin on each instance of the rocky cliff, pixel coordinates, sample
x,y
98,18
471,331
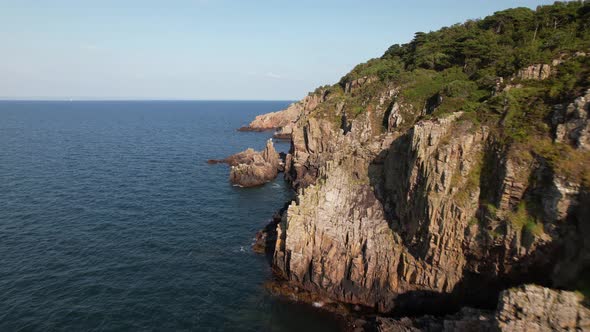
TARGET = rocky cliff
x,y
422,215
429,217
283,120
424,187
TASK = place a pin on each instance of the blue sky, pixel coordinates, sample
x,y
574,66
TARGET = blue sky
x,y
205,49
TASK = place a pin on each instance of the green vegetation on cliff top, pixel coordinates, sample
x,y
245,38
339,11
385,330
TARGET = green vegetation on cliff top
x,y
473,67
464,62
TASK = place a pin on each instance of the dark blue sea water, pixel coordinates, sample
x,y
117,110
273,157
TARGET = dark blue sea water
x,y
110,219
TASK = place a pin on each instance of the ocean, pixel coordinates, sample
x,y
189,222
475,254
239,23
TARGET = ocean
x,y
112,220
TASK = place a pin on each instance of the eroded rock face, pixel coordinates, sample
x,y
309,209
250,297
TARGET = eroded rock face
x,y
534,308
535,72
414,217
251,168
271,121
261,168
351,86
284,132
286,117
571,121
380,220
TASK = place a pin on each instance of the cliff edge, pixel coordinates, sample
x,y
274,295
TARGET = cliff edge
x,y
446,172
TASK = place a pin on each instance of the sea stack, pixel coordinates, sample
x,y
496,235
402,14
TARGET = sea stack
x,y
251,168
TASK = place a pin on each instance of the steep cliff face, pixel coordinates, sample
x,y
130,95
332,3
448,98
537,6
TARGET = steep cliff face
x,y
414,216
571,121
342,236
425,183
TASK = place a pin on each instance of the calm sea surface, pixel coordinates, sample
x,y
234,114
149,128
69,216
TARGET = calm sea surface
x,y
110,219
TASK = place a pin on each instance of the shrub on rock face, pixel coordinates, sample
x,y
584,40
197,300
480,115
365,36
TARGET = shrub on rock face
x,y
459,88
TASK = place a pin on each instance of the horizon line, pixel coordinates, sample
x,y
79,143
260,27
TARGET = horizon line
x,y
134,99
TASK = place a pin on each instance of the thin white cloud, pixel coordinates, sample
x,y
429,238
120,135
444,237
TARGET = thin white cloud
x,y
273,75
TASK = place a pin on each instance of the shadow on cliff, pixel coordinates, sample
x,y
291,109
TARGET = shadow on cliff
x,y
389,189
489,269
476,290
266,239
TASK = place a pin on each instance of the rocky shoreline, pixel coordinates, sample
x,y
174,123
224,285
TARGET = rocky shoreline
x,y
326,166
435,216
528,306
338,187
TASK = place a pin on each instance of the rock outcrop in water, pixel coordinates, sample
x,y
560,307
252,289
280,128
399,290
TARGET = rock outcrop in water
x,y
250,168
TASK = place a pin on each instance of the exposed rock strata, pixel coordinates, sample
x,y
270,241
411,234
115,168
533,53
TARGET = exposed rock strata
x,y
351,86
402,210
284,132
337,238
415,217
271,121
572,122
284,118
533,308
535,72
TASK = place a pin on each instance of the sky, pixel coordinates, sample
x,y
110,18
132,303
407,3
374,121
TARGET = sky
x,y
206,49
